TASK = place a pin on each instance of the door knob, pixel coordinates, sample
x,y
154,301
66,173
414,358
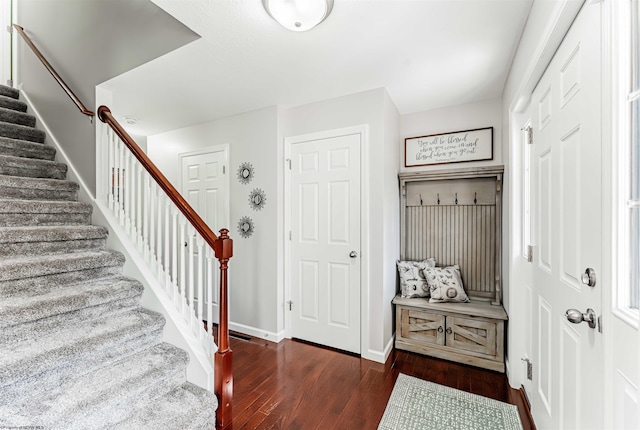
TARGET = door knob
x,y
589,277
576,317
353,254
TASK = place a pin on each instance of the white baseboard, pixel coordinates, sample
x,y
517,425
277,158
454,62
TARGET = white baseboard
x,y
256,332
380,356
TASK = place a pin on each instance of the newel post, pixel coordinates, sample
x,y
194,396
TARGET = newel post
x,y
223,368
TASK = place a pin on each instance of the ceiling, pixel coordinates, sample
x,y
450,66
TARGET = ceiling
x,y
426,53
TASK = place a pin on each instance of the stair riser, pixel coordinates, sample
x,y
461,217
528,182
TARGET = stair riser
x,y
15,117
43,219
13,104
26,390
34,171
9,92
104,410
58,247
40,285
70,353
29,270
19,148
11,316
21,132
37,194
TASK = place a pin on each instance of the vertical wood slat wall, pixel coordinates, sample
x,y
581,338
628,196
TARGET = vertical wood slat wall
x,y
453,215
463,235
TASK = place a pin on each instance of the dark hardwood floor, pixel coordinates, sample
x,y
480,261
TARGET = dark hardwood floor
x,y
295,385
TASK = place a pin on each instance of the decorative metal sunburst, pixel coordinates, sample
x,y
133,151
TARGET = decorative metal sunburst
x,y
257,199
245,227
245,173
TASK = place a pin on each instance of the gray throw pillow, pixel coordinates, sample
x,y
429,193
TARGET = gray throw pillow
x,y
445,284
412,280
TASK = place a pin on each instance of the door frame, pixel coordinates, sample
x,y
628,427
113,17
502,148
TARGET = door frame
x,y
224,148
363,131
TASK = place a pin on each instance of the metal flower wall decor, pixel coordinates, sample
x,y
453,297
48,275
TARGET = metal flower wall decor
x,y
257,199
245,173
245,227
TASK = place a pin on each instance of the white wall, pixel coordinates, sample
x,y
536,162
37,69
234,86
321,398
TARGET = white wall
x,y
5,42
366,108
455,118
252,137
391,219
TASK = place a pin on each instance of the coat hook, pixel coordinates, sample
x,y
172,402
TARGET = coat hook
x,y
456,198
420,199
475,198
438,198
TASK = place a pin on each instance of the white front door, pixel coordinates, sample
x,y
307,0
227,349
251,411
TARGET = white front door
x,y
205,186
567,200
325,241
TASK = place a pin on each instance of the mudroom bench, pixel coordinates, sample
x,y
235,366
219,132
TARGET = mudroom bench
x,y
454,217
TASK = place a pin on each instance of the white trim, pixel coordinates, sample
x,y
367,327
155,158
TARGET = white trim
x,y
380,356
563,15
257,332
363,131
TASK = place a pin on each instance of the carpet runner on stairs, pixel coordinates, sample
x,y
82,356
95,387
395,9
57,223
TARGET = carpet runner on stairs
x,y
76,349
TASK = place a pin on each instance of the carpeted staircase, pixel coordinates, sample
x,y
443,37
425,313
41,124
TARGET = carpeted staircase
x,y
76,349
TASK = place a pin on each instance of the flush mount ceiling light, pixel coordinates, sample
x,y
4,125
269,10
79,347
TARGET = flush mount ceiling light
x,y
298,15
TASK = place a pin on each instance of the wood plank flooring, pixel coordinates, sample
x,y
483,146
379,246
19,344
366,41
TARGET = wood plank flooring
x,y
295,385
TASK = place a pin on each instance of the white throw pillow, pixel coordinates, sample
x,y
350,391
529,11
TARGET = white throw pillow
x,y
412,280
445,284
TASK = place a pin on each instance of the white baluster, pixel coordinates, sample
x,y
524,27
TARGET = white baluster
x,y
167,242
191,275
110,169
152,223
210,287
127,192
175,246
133,185
201,274
139,201
159,236
121,166
145,216
182,245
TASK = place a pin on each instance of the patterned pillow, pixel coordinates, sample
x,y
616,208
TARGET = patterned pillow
x,y
412,281
445,284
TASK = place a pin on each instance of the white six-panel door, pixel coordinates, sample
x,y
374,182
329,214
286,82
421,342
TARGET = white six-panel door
x,y
205,186
567,198
325,241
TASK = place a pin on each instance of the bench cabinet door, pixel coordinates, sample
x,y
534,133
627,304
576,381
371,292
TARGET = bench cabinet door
x,y
472,335
422,326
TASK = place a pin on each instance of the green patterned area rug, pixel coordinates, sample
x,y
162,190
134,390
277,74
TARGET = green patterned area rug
x,y
417,404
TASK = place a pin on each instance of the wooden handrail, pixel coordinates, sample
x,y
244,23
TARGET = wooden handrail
x,y
53,72
105,115
223,248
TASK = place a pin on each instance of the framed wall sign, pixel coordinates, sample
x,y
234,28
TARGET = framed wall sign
x,y
455,147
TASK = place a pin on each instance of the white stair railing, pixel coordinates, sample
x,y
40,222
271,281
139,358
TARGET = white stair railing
x,y
172,249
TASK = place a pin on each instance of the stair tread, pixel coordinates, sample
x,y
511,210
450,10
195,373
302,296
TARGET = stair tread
x,y
51,233
26,148
29,266
9,91
37,183
185,407
42,206
16,117
12,103
31,167
32,353
98,398
22,132
20,308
